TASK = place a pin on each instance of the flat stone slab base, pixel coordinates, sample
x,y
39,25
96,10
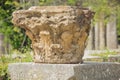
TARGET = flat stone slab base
x,y
98,71
85,71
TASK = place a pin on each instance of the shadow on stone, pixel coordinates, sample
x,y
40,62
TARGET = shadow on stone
x,y
97,71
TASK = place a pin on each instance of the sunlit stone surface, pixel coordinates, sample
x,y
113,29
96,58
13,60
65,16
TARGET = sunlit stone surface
x,y
58,33
85,71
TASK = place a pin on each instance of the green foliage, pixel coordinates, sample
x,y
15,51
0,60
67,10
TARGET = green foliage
x,y
118,21
21,41
6,59
58,2
12,35
46,2
72,2
104,8
105,54
3,68
100,7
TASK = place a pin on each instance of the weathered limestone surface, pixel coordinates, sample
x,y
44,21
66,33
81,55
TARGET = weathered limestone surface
x,y
35,71
98,71
85,71
58,33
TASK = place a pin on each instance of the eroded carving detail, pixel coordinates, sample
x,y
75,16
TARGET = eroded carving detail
x,y
58,33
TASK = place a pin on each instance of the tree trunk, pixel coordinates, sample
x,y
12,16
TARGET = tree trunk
x,y
7,47
2,48
112,33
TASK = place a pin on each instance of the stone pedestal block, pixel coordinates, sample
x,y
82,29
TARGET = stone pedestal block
x,y
34,71
85,71
98,71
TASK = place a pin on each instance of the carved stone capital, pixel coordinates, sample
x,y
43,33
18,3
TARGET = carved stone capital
x,y
58,33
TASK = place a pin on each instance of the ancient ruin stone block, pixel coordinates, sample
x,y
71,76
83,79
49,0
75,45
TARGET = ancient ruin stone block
x,y
85,71
58,33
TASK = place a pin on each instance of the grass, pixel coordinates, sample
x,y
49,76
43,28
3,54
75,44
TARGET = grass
x,y
12,58
105,55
